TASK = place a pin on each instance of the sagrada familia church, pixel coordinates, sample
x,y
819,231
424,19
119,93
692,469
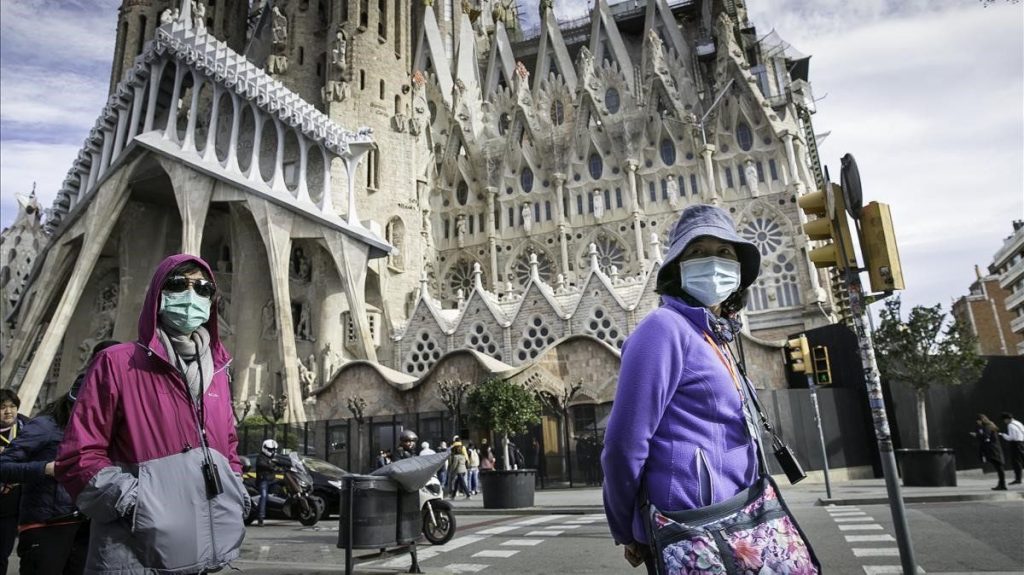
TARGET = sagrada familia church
x,y
395,193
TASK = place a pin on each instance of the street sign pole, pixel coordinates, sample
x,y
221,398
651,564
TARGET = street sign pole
x,y
876,402
821,435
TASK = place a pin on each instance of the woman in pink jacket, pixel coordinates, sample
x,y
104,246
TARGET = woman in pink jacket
x,y
150,451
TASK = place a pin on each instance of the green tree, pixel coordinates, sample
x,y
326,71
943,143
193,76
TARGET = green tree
x,y
919,352
504,407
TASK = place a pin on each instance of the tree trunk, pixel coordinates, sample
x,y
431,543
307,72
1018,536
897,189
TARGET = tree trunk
x,y
504,446
922,417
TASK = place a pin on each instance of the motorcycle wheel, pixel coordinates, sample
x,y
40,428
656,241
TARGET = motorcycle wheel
x,y
443,530
312,516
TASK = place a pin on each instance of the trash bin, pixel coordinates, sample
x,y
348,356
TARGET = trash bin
x,y
410,520
373,514
927,467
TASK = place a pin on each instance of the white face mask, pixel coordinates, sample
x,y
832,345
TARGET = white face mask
x,y
710,279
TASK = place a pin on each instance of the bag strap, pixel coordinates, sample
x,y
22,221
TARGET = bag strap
x,y
748,391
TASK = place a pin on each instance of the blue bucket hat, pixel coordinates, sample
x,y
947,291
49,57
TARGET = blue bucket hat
x,y
705,220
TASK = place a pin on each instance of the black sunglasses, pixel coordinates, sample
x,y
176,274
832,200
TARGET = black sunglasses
x,y
202,287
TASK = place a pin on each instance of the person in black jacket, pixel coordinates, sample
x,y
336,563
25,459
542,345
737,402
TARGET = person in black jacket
x,y
53,537
990,449
11,423
266,471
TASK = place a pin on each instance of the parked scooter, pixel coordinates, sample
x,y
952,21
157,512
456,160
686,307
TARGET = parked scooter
x,y
298,501
438,518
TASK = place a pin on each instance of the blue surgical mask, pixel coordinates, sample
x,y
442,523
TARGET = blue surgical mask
x,y
183,311
710,279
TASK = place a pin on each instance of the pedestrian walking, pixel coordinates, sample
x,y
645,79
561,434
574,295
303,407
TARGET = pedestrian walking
x,y
266,476
150,453
473,462
457,468
11,423
53,537
442,474
677,438
989,448
425,449
1014,437
487,458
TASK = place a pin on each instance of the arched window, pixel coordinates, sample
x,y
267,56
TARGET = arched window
x,y
526,179
611,100
668,152
557,112
462,193
596,165
382,89
744,137
373,169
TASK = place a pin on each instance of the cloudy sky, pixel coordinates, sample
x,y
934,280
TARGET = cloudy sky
x,y
927,94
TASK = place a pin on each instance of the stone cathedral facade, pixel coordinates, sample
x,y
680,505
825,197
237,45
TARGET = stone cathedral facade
x,y
396,193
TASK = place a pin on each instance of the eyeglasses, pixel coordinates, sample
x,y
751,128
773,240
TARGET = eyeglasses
x,y
202,287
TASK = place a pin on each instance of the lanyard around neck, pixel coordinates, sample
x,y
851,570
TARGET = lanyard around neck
x,y
12,433
728,365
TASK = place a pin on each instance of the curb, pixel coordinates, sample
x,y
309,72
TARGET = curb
x,y
950,498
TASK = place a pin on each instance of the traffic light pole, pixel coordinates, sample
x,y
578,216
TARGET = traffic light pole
x,y
821,435
876,402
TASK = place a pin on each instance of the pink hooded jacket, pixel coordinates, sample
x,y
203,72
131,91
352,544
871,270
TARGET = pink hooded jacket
x,y
132,447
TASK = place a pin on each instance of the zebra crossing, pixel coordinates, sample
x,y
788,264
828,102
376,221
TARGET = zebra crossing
x,y
861,531
495,543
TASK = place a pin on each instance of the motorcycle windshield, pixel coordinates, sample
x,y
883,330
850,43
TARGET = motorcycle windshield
x,y
299,467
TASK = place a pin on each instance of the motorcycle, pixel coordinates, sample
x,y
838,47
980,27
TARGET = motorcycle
x,y
438,518
298,501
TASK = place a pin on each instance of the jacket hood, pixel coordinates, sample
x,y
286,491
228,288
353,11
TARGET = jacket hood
x,y
148,320
705,220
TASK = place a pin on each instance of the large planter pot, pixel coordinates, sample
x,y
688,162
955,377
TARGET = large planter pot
x,y
508,489
927,467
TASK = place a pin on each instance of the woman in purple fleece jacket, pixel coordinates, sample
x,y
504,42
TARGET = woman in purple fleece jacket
x,y
677,424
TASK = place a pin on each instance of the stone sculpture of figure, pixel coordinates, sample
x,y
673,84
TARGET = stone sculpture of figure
x,y
527,213
750,172
268,318
303,330
460,229
546,5
279,29
331,362
168,16
598,203
198,15
339,53
307,375
672,187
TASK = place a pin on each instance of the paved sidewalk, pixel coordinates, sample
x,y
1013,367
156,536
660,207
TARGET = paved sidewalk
x,y
972,485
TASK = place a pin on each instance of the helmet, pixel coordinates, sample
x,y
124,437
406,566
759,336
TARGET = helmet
x,y
408,435
269,447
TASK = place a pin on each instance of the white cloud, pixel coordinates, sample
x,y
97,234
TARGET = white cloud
x,y
61,33
37,98
25,162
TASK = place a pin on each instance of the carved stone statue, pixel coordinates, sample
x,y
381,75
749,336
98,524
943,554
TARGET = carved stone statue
x,y
339,54
460,229
168,16
268,318
279,29
307,375
750,172
527,213
300,266
672,188
330,362
198,16
303,329
335,91
598,203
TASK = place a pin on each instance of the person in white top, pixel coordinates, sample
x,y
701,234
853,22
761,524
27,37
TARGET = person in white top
x,y
1014,437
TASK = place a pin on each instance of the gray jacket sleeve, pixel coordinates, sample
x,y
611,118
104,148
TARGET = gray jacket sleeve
x,y
110,494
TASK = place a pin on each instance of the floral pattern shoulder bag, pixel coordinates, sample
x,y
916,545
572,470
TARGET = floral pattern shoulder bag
x,y
751,533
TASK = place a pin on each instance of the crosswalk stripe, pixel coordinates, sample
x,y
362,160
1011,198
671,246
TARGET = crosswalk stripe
x,y
536,520
853,519
464,567
544,533
863,538
847,513
876,552
498,530
496,553
565,526
884,569
871,527
264,552
423,554
523,542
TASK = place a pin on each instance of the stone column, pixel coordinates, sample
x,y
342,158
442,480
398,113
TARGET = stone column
x,y
193,191
563,223
350,260
492,236
787,138
275,224
634,199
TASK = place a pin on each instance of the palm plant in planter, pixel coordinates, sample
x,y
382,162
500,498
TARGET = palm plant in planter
x,y
505,408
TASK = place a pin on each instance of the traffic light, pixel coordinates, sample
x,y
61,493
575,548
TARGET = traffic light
x,y
798,354
878,244
822,367
831,226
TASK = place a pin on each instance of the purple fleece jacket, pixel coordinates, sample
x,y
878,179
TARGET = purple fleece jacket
x,y
677,422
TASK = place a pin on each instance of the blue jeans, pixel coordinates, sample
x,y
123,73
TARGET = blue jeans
x,y
474,479
261,512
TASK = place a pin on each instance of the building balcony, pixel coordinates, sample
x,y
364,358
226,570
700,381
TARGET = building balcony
x,y
1017,325
1015,300
1012,275
1013,245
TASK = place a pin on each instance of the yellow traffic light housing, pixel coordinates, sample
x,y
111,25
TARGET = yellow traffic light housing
x,y
878,244
822,366
829,226
798,354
